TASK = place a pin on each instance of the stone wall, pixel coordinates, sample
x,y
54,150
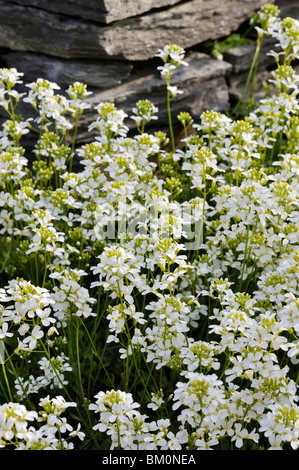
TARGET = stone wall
x,y
110,46
124,30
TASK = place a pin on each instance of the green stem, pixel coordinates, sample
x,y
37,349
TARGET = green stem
x,y
251,74
245,259
201,227
18,379
6,381
78,361
170,121
45,271
134,359
255,64
74,142
95,352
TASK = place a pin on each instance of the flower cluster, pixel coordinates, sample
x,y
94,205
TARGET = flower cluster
x,y
129,429
29,308
16,429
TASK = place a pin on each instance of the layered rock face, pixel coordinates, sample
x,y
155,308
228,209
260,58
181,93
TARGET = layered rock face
x,y
33,25
110,46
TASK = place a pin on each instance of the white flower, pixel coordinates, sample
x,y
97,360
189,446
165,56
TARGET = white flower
x,y
78,433
241,433
173,90
35,335
172,53
4,333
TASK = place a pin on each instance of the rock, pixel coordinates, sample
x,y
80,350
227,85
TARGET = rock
x,y
237,83
290,10
203,83
112,48
135,39
94,73
105,11
187,24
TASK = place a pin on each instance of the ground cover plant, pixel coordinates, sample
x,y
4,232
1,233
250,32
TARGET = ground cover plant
x,y
150,299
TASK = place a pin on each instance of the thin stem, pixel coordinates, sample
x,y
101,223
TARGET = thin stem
x,y
245,258
18,378
78,361
255,63
252,73
74,142
170,121
95,351
134,359
6,381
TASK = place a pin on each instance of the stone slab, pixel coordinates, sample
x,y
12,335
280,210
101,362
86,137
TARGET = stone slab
x,y
94,73
241,57
103,11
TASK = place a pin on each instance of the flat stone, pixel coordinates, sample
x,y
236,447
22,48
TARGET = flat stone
x,y
237,84
94,73
241,57
135,39
290,8
203,83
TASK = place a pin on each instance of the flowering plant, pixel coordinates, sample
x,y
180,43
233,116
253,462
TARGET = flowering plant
x,y
150,299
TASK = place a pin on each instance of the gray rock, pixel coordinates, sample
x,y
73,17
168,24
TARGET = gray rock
x,y
135,39
237,83
94,73
290,9
105,11
187,24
